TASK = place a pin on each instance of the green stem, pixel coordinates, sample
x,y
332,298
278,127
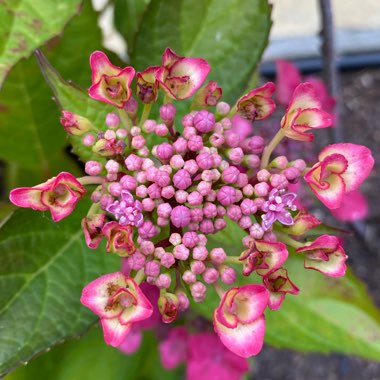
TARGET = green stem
x,y
219,290
167,99
233,260
125,119
91,180
95,207
270,148
232,112
145,113
288,240
139,277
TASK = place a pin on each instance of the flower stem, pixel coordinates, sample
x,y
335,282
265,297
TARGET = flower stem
x,y
91,180
145,113
219,290
232,112
270,148
139,277
125,118
288,240
167,99
233,260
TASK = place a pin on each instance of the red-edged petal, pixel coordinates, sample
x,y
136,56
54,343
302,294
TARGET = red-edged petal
x,y
360,162
277,255
96,294
354,207
276,300
304,96
245,340
169,58
114,332
100,65
27,197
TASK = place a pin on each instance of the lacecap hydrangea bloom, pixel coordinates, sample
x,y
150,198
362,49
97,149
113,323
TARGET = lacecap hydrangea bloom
x,y
163,187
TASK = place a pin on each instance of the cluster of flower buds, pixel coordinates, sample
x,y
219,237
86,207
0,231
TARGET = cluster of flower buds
x,y
165,187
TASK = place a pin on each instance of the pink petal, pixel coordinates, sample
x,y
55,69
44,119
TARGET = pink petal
x,y
132,342
360,162
114,332
354,207
27,197
304,97
276,300
100,65
96,296
278,255
169,57
245,340
287,79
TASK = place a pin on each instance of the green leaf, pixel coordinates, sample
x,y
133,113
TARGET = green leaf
x,y
230,34
27,24
33,141
127,17
91,358
43,268
328,314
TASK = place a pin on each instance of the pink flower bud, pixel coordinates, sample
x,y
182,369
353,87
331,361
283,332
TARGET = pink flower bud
x,y
197,267
180,216
232,139
191,166
196,215
247,241
167,192
164,210
217,139
148,204
74,124
263,175
195,143
204,121
152,268
167,260
162,178
112,120
180,145
206,226
181,196
299,164
236,155
223,108
184,302
279,162
128,182
112,167
211,196
204,187
252,161
210,210
292,174
248,207
245,222
148,230
121,133
230,174
163,281
141,191
210,275
187,120
149,126
198,291
141,177
133,162
256,231
220,224
161,130
93,167
189,277
146,247
167,112
115,189
261,189
226,195
190,239
136,261
200,253
181,252
175,238
105,201
218,255
279,181
193,227
177,162
248,190
147,163
234,212
270,236
154,191
202,240
256,144
205,161
88,140
96,196
228,275
195,198
164,151
242,180
182,179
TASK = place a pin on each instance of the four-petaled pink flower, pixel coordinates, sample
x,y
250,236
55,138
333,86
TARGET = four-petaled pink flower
x,y
147,85
180,76
119,239
341,169
326,255
304,113
59,195
208,95
239,320
258,103
110,83
119,302
278,284
263,257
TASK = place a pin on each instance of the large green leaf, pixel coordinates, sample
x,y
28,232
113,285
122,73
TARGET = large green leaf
x,y
27,24
230,34
328,314
43,268
33,141
91,358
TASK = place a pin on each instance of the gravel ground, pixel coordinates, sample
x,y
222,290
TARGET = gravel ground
x,y
360,99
